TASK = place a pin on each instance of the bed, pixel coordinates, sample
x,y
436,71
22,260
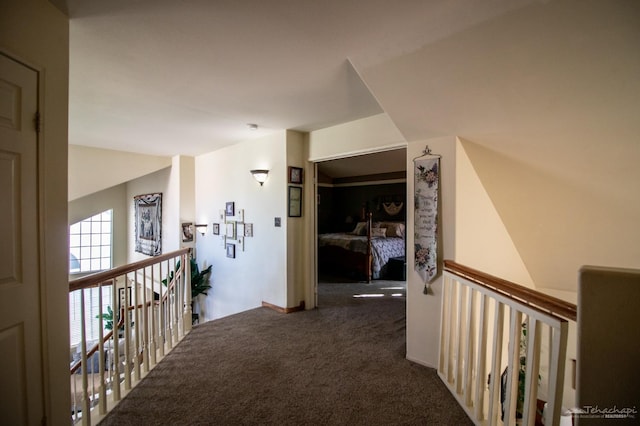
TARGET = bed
x,y
364,252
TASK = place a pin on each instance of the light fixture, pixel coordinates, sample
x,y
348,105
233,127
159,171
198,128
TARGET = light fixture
x,y
202,228
260,175
252,126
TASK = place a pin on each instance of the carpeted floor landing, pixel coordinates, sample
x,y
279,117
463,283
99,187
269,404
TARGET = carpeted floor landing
x,y
341,364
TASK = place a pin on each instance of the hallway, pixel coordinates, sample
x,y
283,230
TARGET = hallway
x,y
343,363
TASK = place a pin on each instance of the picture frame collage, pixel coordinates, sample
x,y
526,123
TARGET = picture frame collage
x,y
232,229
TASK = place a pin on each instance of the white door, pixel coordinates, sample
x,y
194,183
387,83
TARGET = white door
x,y
21,381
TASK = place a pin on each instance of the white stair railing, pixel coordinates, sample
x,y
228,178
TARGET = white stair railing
x,y
152,313
476,356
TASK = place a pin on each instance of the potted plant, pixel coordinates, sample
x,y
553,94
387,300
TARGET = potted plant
x,y
199,282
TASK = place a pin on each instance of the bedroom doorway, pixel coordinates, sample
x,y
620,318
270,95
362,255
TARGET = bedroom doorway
x,y
352,261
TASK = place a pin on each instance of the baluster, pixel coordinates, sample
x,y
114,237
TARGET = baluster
x,y
154,325
86,403
115,363
146,336
168,327
176,301
556,375
160,329
481,361
136,326
496,366
532,372
470,344
515,328
443,361
460,338
453,330
127,334
102,399
187,321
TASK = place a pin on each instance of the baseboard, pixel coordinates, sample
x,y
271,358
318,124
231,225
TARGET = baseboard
x,y
419,361
284,310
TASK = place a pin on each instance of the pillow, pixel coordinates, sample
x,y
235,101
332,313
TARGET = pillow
x,y
361,229
379,232
395,229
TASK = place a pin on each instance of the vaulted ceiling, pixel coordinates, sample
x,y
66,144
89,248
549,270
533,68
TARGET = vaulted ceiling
x,y
166,77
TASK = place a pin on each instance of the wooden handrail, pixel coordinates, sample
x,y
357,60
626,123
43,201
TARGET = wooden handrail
x,y
98,278
523,294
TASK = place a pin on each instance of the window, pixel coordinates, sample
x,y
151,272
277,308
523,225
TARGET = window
x,y
90,244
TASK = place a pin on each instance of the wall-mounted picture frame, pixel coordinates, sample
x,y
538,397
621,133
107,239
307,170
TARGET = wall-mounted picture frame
x,y
229,209
216,229
148,224
187,232
231,250
248,229
230,230
295,201
295,175
240,229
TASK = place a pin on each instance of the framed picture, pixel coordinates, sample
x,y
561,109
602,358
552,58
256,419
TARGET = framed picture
x,y
230,231
231,250
148,224
295,201
216,229
187,232
240,229
295,175
248,229
229,209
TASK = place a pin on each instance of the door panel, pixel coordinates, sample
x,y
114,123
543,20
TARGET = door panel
x,y
21,390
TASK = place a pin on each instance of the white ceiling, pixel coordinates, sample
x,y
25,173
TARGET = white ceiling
x,y
170,77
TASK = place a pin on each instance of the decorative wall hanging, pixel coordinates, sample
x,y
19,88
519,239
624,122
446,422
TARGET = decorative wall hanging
x,y
187,232
231,250
392,208
426,188
232,230
148,224
295,175
295,201
229,209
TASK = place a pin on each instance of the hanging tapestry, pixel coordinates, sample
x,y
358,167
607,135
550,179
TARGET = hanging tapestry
x,y
148,224
426,178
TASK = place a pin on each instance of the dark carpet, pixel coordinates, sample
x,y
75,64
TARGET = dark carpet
x,y
341,364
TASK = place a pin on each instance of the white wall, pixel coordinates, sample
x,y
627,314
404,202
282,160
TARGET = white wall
x,y
482,240
375,133
259,273
36,33
93,169
181,206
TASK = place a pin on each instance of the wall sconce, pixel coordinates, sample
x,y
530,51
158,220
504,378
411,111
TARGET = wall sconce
x,y
260,175
202,228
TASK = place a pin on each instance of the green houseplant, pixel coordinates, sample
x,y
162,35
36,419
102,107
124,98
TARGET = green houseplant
x,y
199,279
